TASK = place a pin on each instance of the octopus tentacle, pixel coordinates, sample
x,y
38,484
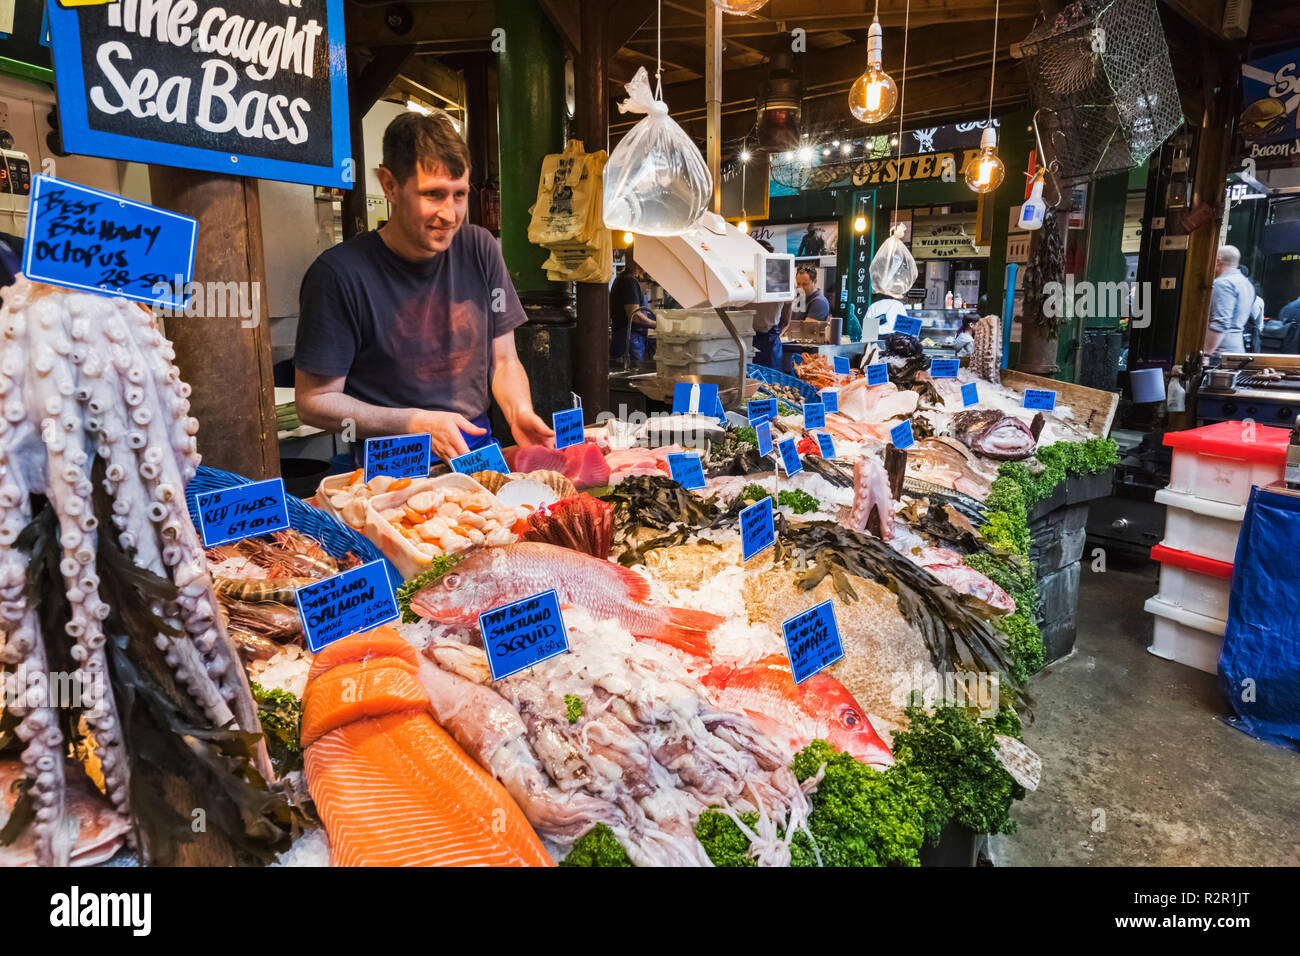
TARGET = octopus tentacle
x,y
51,392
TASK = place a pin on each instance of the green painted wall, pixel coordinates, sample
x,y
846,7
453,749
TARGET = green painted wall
x,y
531,125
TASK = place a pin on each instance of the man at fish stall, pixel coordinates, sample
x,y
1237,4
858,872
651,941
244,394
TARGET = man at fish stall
x,y
410,329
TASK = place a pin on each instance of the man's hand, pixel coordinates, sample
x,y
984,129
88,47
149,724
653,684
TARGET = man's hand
x,y
528,429
445,429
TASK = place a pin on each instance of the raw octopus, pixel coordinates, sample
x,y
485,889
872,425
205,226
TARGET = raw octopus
x,y
88,386
645,757
492,577
994,435
949,568
871,496
986,358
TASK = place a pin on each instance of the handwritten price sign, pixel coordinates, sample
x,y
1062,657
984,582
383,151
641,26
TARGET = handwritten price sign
x,y
241,511
85,239
347,603
517,636
812,641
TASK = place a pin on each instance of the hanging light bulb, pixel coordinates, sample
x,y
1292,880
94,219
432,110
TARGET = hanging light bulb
x,y
743,225
985,172
846,149
860,224
627,238
874,93
805,154
744,155
739,6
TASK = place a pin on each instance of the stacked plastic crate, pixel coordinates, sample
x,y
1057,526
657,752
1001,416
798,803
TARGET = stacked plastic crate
x,y
695,342
1214,468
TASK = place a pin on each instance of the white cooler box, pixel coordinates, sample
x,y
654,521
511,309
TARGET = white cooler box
x,y
674,371
1185,636
682,348
703,323
1201,526
1193,583
1221,462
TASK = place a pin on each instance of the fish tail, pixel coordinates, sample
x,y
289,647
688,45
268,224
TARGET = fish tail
x,y
687,631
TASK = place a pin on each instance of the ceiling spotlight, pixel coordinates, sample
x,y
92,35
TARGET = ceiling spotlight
x,y
805,154
893,141
744,155
845,149
835,142
826,150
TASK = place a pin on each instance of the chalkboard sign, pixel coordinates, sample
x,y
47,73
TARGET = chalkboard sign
x,y
246,87
241,511
398,456
812,641
487,458
757,531
346,603
519,635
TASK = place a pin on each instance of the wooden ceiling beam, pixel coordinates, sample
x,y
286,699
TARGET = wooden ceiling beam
x,y
367,26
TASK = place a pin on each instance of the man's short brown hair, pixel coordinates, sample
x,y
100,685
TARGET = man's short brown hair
x,y
427,141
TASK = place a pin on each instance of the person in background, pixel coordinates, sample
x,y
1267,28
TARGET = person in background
x,y
815,305
410,329
630,318
1255,325
1231,303
11,258
812,243
963,342
770,321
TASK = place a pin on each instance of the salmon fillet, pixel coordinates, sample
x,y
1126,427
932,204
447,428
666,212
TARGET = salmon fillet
x,y
391,786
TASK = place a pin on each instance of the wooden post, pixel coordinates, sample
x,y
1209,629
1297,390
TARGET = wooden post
x,y
713,102
591,342
226,359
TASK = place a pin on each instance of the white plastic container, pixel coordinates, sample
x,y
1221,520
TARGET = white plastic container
x,y
1185,636
1222,462
703,322
674,348
1196,584
673,371
1201,526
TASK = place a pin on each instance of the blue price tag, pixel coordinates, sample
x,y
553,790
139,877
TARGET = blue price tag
x,y
812,641
764,432
814,415
878,374
831,399
905,325
347,603
790,457
517,636
797,358
86,239
568,427
841,364
720,413
687,470
827,445
970,394
487,458
706,398
1041,399
765,407
242,511
757,531
944,368
901,435
398,456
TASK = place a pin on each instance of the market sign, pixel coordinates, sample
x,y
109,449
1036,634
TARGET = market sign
x,y
82,238
911,169
1270,120
946,237
246,87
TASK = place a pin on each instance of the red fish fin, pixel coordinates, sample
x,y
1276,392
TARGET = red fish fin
x,y
638,588
688,631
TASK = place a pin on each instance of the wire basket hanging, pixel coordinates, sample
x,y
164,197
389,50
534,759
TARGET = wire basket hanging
x,y
1100,74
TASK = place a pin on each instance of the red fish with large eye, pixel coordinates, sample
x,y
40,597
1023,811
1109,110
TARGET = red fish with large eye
x,y
794,715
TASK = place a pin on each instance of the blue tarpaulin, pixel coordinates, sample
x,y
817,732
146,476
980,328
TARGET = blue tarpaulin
x,y
1259,667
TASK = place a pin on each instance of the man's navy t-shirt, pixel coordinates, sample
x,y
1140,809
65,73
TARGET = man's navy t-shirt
x,y
408,334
